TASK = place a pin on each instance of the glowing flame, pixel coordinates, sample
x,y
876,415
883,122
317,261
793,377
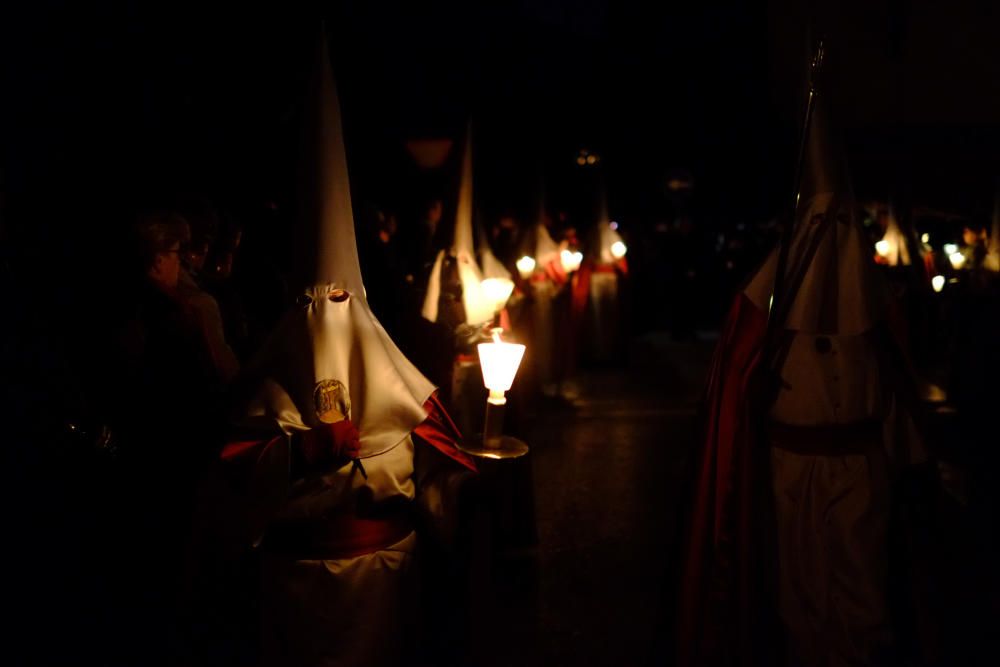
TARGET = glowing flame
x,y
950,248
526,266
618,249
937,282
883,248
499,361
925,238
570,260
957,259
497,290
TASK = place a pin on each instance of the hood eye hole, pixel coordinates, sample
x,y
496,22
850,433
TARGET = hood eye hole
x,y
338,295
303,301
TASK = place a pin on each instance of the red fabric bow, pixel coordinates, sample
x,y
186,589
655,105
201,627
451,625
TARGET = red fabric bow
x,y
330,442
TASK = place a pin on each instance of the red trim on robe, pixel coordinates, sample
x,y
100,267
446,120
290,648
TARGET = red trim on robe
x,y
555,272
440,432
724,617
505,319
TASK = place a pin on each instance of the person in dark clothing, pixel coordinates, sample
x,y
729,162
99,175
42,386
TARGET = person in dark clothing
x,y
168,418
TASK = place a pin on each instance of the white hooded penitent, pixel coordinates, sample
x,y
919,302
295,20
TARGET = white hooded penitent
x,y
992,261
479,307
329,358
892,246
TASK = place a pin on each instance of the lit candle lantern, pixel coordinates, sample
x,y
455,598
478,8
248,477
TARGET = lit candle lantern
x,y
618,249
526,266
570,260
957,260
950,248
499,361
882,248
937,282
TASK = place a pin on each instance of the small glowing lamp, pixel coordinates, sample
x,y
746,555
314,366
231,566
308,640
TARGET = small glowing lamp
x,y
937,282
499,361
591,159
950,248
498,290
618,249
882,248
613,225
925,238
957,259
570,260
526,266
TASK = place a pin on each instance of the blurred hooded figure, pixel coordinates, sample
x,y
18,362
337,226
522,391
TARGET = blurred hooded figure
x,y
542,284
339,432
787,559
454,289
455,301
599,279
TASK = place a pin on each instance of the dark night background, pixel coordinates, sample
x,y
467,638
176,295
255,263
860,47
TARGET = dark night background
x,y
117,104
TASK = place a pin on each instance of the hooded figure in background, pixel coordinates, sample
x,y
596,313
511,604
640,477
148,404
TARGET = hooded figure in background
x,y
455,301
992,261
472,307
598,302
896,248
541,284
806,423
338,434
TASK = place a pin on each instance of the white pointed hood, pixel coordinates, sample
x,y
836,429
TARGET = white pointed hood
x,y
604,236
329,351
607,237
546,249
492,267
478,307
992,261
830,266
538,243
897,252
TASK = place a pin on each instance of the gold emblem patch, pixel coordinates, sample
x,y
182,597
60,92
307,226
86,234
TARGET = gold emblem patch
x,y
333,403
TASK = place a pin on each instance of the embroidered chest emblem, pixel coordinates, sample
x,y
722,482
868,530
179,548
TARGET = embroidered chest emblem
x,y
332,402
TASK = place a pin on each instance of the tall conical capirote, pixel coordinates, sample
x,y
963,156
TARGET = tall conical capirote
x,y
325,244
329,349
830,285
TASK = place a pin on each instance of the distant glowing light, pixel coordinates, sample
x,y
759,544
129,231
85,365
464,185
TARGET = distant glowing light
x,y
957,259
950,248
882,248
937,282
526,266
613,225
618,249
925,238
591,159
570,260
581,160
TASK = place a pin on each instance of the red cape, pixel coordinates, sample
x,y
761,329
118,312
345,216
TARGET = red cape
x,y
725,614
